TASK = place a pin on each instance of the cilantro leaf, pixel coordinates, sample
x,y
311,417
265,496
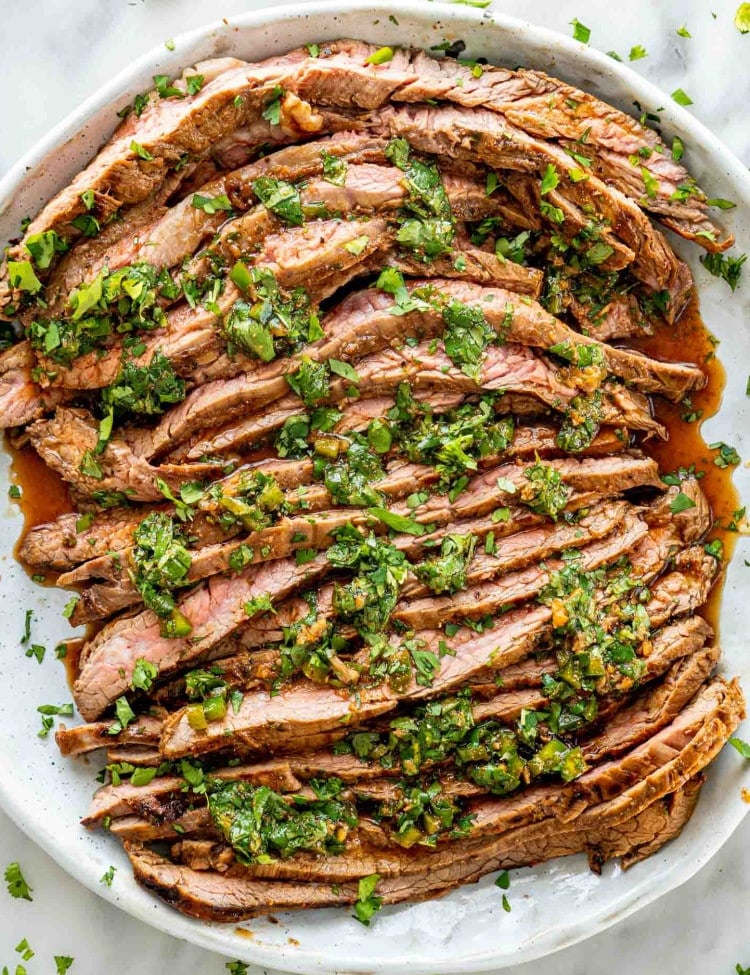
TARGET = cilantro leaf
x,y
580,31
17,886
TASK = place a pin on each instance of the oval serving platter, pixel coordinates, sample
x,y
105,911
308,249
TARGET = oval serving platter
x,y
554,905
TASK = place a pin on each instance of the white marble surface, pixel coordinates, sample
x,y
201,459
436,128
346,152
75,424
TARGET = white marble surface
x,y
54,53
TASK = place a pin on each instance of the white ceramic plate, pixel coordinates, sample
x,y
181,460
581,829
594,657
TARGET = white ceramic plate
x,y
552,905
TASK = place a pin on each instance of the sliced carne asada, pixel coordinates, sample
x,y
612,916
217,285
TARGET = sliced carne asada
x,y
303,532
180,231
339,357
508,369
602,476
299,710
67,442
168,128
21,398
536,103
673,643
67,542
474,133
232,898
321,257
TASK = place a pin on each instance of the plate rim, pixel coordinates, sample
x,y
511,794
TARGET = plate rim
x,y
208,935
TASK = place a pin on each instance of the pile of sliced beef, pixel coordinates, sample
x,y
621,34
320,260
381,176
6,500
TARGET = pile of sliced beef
x,y
551,195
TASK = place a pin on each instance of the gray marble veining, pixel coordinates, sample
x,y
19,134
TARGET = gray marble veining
x,y
56,52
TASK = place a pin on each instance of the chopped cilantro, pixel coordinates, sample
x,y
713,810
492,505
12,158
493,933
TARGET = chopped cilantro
x,y
381,56
467,334
727,456
550,179
681,97
368,903
272,111
144,675
280,198
24,949
334,168
580,31
680,502
742,747
724,266
43,247
164,88
211,204
21,276
398,523
109,875
194,83
145,390
17,886
140,151
125,716
357,246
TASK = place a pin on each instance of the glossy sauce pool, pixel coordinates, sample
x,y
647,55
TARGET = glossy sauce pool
x,y
45,496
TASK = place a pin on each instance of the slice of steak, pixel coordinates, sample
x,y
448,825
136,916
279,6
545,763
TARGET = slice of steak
x,y
303,532
88,255
639,837
89,737
322,256
371,313
259,720
686,588
303,496
474,134
21,398
67,441
302,708
683,753
486,599
167,129
544,107
671,645
512,370
481,495
65,543
635,723
215,608
620,318
176,233
367,188
632,840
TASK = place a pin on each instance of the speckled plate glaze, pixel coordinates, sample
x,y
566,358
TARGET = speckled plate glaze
x,y
553,905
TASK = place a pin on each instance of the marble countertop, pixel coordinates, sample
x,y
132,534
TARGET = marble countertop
x,y
55,53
